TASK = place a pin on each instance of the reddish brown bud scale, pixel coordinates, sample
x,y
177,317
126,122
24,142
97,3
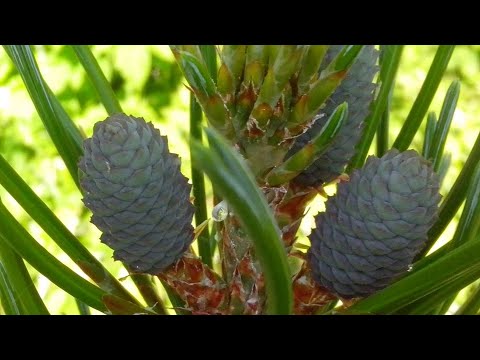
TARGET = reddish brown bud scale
x,y
203,291
262,114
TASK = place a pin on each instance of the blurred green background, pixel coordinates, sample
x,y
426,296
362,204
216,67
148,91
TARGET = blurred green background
x,y
149,84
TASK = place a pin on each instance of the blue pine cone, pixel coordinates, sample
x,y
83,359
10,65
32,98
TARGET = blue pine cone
x,y
139,198
375,224
357,89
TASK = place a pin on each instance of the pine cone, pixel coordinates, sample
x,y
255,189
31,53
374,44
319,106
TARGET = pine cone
x,y
136,192
375,224
357,90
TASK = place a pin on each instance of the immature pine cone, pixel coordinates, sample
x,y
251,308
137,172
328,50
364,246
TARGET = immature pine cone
x,y
357,90
375,224
136,192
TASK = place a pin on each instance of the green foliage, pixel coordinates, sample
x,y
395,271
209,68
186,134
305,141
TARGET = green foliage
x,y
247,200
50,97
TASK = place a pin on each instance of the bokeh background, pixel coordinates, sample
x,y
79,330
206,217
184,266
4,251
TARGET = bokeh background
x,y
149,84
